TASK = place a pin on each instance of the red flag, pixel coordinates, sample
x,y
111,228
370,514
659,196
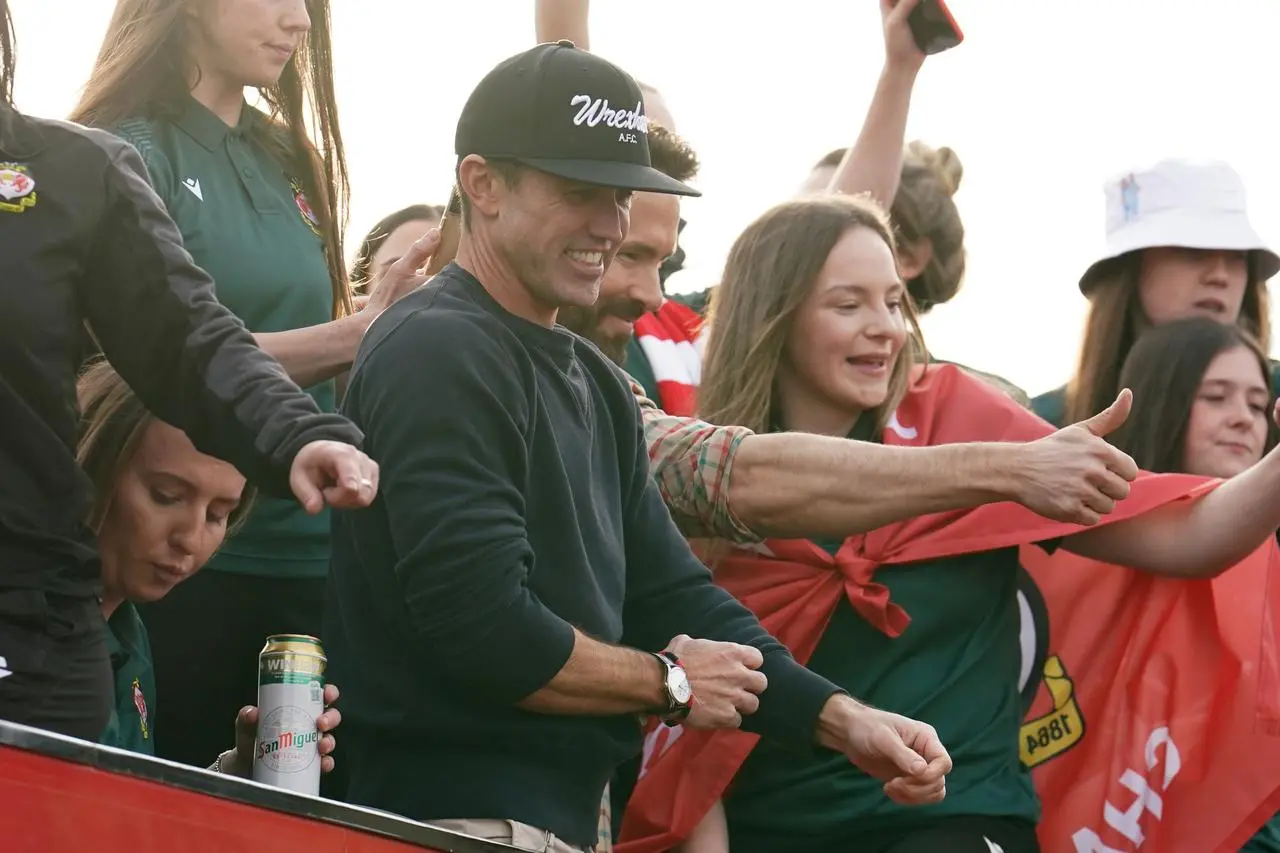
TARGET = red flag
x,y
1114,659
1157,719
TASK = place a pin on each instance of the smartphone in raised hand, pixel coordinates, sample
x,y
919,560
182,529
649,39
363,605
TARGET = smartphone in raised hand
x,y
933,27
450,231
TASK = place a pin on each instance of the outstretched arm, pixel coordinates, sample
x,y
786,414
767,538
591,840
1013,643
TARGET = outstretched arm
x,y
731,483
874,163
1197,538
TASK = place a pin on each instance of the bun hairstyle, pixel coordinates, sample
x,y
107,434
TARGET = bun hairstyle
x,y
924,209
943,162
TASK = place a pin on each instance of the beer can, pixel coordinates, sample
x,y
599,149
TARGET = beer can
x,y
290,701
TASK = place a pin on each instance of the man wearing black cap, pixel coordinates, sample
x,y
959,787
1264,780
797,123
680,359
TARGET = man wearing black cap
x,y
506,609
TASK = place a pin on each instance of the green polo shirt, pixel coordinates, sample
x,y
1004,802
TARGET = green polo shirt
x,y
132,723
245,220
956,665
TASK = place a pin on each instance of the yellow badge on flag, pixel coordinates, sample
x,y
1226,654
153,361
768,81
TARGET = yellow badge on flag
x,y
1052,734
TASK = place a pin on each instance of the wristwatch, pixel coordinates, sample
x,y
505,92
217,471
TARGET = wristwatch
x,y
676,685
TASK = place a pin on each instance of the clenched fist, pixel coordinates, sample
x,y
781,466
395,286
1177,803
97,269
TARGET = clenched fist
x,y
725,680
904,754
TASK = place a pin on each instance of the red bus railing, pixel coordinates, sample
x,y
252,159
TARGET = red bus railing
x,y
61,795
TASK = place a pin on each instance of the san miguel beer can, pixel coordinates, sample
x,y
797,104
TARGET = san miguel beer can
x,y
290,700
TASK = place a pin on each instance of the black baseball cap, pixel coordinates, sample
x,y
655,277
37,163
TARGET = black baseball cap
x,y
566,112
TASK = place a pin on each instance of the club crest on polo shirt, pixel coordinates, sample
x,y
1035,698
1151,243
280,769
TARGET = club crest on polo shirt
x,y
593,112
140,702
17,188
304,206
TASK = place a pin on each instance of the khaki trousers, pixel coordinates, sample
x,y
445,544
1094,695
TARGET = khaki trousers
x,y
511,832
530,837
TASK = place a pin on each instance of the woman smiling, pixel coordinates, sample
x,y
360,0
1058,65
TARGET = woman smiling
x,y
812,331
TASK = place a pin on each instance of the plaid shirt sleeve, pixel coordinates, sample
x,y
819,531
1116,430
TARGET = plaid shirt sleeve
x,y
692,461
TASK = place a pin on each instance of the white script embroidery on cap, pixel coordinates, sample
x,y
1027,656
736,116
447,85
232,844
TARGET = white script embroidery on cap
x,y
593,111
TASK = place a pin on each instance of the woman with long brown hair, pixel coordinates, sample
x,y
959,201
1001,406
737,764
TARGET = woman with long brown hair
x,y
810,332
85,242
928,228
260,202
1179,244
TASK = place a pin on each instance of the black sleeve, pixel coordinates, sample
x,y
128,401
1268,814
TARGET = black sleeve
x,y
189,359
451,443
670,592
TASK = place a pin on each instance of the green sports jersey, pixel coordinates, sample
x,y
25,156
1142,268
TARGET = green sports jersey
x,y
956,665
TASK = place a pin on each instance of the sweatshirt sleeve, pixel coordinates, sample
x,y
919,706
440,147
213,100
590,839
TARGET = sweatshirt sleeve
x,y
670,592
189,359
450,437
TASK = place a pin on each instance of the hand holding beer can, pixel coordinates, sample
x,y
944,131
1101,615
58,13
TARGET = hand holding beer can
x,y
290,701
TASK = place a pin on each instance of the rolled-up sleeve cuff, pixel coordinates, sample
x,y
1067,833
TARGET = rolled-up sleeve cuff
x,y
725,518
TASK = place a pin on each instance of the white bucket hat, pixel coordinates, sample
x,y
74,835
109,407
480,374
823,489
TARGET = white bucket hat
x,y
1194,204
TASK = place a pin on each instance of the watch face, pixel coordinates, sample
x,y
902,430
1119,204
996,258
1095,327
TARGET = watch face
x,y
678,684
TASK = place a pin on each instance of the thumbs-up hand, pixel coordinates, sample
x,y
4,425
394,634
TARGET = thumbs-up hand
x,y
1074,475
1112,417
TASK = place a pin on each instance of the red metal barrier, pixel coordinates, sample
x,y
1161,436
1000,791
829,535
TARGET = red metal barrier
x,y
58,795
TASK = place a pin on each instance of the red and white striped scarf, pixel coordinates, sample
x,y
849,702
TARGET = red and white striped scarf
x,y
673,338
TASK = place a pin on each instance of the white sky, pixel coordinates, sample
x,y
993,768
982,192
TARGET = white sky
x,y
1042,102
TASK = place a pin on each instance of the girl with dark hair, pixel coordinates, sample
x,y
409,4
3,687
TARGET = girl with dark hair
x,y
85,241
389,240
1201,400
259,199
1202,404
